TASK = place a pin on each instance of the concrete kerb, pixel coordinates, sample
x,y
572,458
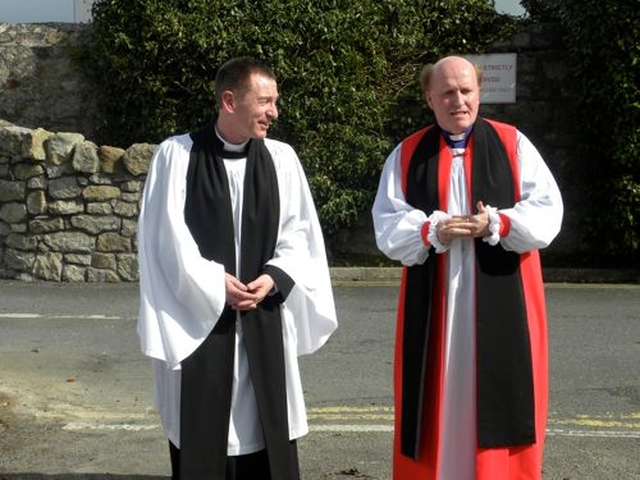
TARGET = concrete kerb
x,y
341,276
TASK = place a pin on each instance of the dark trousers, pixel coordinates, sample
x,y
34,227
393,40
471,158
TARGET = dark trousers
x,y
253,466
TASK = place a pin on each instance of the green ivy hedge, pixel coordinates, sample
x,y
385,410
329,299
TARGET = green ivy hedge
x,y
347,73
603,39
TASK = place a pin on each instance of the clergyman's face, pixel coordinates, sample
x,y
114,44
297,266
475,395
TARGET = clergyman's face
x,y
256,108
454,94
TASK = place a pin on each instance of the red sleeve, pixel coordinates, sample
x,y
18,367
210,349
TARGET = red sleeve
x,y
505,225
424,233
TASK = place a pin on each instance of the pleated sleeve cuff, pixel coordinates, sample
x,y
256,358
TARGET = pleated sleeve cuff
x,y
432,234
499,226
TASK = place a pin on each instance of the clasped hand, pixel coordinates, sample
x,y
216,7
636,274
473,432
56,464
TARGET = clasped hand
x,y
464,226
247,297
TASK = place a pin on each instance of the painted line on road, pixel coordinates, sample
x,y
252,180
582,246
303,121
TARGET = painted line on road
x,y
604,420
379,419
46,315
91,426
346,428
558,432
344,413
59,317
102,427
351,428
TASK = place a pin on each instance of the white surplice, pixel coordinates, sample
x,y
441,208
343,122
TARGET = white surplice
x,y
182,295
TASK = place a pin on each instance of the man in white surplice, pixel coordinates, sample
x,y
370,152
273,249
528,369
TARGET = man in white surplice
x,y
187,293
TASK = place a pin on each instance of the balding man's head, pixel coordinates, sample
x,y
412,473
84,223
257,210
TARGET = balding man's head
x,y
451,88
427,71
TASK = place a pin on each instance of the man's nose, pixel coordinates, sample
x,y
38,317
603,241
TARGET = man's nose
x,y
273,112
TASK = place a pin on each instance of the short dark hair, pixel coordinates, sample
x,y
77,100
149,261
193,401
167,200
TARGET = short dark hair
x,y
234,75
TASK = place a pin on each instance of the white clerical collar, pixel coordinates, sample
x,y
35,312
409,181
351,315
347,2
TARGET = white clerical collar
x,y
230,147
458,140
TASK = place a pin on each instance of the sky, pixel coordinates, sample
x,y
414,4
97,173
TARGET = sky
x,y
511,7
39,11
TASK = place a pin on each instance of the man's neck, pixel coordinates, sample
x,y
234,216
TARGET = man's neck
x,y
227,135
457,140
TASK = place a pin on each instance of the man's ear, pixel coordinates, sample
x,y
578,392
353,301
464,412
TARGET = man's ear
x,y
426,96
228,101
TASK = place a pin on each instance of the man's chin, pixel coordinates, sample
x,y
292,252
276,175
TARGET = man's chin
x,y
258,135
260,132
461,125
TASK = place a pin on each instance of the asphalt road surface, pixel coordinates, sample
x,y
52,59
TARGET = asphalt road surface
x,y
76,399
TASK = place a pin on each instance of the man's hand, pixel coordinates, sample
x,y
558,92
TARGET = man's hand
x,y
261,286
238,295
464,226
247,297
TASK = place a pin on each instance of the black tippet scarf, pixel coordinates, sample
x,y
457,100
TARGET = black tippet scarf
x,y
505,401
207,374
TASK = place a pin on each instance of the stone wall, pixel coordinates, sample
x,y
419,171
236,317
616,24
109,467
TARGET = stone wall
x,y
68,208
40,83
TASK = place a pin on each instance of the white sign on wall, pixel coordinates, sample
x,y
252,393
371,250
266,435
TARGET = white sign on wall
x,y
498,77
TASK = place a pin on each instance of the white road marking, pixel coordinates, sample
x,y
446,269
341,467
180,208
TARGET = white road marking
x,y
46,315
344,428
558,432
102,427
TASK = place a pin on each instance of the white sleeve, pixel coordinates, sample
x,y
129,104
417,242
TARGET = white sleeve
x,y
537,217
300,252
182,295
397,225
